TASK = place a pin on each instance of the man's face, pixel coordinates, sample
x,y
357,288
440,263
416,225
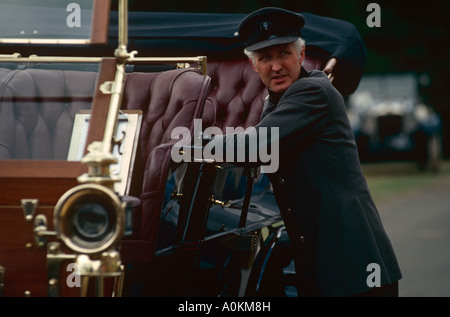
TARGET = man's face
x,y
278,66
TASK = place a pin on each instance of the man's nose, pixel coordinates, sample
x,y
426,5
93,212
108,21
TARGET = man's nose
x,y
276,65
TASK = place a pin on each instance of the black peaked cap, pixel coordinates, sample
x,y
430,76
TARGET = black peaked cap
x,y
270,26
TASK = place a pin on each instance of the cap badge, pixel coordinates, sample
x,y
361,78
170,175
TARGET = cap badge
x,y
265,26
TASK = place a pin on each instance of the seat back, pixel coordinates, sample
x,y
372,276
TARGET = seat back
x,y
237,93
37,111
168,100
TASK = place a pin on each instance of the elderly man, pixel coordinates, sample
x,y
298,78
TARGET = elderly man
x,y
340,246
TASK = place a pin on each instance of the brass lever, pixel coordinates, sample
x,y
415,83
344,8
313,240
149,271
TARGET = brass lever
x,y
41,233
223,204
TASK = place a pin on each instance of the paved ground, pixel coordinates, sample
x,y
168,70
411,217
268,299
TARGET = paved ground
x,y
418,223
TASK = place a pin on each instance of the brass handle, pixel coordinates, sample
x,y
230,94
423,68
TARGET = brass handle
x,y
223,204
40,231
176,195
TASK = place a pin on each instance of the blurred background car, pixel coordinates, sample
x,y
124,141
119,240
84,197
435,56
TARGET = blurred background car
x,y
391,122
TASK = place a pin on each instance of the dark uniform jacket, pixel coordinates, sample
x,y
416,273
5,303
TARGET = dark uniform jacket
x,y
322,194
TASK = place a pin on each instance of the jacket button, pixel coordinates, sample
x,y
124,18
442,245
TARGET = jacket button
x,y
289,210
281,180
302,239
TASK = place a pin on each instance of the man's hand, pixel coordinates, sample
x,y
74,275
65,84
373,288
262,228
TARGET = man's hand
x,y
329,68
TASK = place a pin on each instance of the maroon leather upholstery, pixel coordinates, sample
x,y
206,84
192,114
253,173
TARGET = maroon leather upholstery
x,y
37,111
235,99
168,100
231,96
237,93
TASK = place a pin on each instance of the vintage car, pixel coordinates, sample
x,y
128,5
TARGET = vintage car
x,y
391,122
92,202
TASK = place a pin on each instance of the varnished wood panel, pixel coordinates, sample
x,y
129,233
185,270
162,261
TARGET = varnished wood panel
x,y
24,263
100,22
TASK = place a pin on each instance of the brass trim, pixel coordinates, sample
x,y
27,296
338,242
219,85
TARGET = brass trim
x,y
41,233
201,61
123,23
223,204
118,282
50,59
54,258
114,108
100,155
108,265
15,55
64,210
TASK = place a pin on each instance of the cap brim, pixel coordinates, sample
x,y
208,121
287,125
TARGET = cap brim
x,y
271,42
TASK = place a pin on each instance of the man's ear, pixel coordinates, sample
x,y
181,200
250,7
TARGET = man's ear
x,y
302,55
253,65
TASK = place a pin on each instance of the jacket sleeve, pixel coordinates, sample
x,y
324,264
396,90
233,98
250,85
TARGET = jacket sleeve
x,y
268,108
300,115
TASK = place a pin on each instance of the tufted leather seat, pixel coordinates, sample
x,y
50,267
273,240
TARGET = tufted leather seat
x,y
236,101
234,97
237,93
168,100
37,111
